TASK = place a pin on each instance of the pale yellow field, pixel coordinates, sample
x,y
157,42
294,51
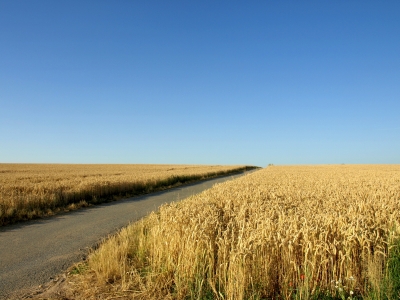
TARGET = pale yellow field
x,y
278,233
30,190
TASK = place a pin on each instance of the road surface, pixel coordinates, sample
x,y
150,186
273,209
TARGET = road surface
x,y
34,252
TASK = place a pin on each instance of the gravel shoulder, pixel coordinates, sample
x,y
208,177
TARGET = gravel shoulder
x,y
36,252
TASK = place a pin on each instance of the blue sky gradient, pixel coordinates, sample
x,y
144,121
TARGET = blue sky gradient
x,y
200,82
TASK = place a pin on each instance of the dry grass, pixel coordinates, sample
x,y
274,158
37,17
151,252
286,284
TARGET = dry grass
x,y
279,233
31,190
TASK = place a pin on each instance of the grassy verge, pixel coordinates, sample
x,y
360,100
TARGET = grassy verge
x,y
19,202
386,285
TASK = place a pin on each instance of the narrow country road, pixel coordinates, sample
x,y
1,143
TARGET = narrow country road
x,y
32,253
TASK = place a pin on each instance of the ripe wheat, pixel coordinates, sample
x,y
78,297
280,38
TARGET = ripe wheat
x,y
31,190
281,232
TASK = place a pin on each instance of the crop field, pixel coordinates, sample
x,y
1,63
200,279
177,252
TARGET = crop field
x,y
31,190
290,232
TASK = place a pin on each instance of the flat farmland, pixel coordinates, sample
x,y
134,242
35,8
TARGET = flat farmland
x,y
301,232
29,191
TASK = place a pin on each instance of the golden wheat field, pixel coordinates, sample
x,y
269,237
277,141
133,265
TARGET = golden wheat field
x,y
31,190
279,233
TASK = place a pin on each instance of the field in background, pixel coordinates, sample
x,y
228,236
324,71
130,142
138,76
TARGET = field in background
x,y
32,190
318,232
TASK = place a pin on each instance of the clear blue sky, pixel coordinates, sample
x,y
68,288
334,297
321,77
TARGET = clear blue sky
x,y
200,82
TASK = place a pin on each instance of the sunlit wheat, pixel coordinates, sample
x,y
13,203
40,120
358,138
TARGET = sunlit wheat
x,y
30,190
281,232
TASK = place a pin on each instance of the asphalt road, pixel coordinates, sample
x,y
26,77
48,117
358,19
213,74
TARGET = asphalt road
x,y
33,253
